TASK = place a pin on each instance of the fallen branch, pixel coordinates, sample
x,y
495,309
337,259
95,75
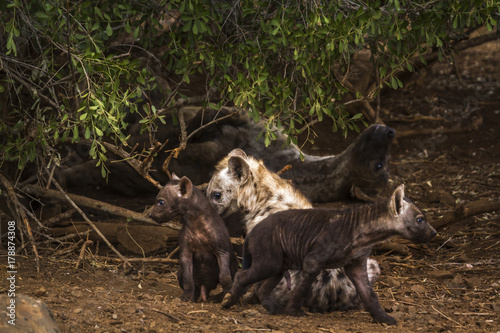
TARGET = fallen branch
x,y
142,260
95,204
473,125
465,211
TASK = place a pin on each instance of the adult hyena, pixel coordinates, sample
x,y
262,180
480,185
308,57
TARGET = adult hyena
x,y
242,183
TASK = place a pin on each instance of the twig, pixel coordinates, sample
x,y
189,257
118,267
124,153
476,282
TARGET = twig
x,y
442,314
232,114
171,254
53,221
82,252
168,315
20,212
133,162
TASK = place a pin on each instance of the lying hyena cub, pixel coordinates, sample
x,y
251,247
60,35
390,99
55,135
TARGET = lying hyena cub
x,y
315,239
206,255
242,183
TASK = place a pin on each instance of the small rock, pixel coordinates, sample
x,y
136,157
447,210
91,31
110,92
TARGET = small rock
x,y
76,293
412,310
441,275
457,282
397,315
418,288
40,292
474,282
392,282
250,313
77,310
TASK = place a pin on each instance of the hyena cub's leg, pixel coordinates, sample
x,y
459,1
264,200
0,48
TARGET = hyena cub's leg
x,y
224,261
358,275
264,293
247,277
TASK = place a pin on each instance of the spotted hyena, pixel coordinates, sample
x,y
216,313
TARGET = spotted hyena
x,y
243,184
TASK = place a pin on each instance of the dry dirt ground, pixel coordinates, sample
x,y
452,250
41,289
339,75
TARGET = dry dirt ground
x,y
449,285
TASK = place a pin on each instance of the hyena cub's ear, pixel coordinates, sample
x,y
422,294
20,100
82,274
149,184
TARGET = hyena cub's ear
x,y
185,187
397,201
238,152
238,168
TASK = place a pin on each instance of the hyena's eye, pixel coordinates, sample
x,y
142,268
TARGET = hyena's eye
x,y
217,195
420,220
160,202
379,166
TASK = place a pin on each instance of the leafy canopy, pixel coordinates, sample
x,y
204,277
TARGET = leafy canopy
x,y
73,70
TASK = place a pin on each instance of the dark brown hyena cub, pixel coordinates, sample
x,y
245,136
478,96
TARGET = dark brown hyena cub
x,y
206,255
316,239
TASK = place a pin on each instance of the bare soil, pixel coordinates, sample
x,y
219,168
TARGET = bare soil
x,y
449,285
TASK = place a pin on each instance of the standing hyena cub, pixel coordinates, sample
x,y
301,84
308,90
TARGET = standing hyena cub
x,y
315,239
206,255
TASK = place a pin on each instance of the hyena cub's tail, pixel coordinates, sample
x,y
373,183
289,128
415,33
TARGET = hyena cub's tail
x,y
247,257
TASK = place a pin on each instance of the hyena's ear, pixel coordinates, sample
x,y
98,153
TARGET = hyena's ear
x,y
174,176
185,187
237,152
397,201
238,168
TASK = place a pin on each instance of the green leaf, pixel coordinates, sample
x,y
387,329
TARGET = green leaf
x,y
109,30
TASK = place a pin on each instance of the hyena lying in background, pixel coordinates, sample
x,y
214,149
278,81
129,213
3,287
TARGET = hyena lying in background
x,y
206,255
315,239
242,183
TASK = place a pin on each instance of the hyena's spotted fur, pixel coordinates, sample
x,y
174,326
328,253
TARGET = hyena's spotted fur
x,y
242,183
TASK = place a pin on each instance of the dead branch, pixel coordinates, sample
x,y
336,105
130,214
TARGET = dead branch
x,y
142,260
460,46
465,211
95,204
81,235
472,126
53,221
139,167
20,212
72,203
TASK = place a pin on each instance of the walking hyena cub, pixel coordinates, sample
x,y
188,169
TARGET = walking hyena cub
x,y
316,239
206,255
242,183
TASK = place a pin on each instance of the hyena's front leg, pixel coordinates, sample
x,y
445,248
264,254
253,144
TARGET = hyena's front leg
x,y
356,271
224,261
187,282
299,293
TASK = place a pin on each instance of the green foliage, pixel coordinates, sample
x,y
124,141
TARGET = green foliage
x,y
70,76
